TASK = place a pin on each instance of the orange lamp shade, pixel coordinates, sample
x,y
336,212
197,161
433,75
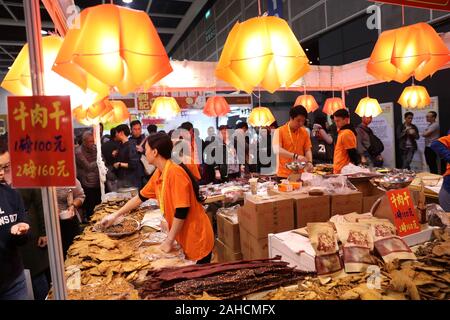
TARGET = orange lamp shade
x,y
308,102
18,79
368,107
164,108
262,51
332,105
415,97
261,117
216,107
105,111
113,46
415,50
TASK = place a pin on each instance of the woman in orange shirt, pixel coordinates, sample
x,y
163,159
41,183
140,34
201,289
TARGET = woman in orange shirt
x,y
173,187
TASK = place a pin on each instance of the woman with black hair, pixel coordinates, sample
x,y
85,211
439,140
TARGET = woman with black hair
x,y
173,186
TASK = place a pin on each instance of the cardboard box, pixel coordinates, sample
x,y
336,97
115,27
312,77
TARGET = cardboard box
x,y
293,248
365,187
228,232
369,201
310,209
264,215
251,247
346,203
225,253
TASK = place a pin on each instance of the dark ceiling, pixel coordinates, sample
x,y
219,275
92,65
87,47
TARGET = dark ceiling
x,y
172,18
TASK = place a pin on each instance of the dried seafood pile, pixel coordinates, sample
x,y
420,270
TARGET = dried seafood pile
x,y
112,206
231,280
428,278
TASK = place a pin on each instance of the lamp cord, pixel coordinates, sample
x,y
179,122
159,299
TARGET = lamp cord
x,y
403,15
259,8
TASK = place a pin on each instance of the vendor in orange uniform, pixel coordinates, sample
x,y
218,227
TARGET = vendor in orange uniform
x,y
291,142
173,187
345,150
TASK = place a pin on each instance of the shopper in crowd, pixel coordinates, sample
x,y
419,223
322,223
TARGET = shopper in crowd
x,y
407,135
211,135
87,168
110,151
345,151
103,138
14,232
182,154
34,253
178,196
370,146
70,200
152,129
128,160
333,130
431,134
442,148
136,135
241,142
321,140
196,145
226,163
291,142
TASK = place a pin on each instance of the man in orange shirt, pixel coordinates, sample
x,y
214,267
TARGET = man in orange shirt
x,y
345,150
173,186
442,148
291,142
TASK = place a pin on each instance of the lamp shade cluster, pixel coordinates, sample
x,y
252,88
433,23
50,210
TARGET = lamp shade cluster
x,y
414,97
261,117
112,47
308,102
415,50
262,51
368,107
216,106
105,111
164,108
18,79
332,105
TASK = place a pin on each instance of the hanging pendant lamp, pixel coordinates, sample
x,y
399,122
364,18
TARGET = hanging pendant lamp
x,y
18,79
105,111
308,101
116,46
216,106
262,51
414,97
368,107
261,117
164,108
415,50
332,105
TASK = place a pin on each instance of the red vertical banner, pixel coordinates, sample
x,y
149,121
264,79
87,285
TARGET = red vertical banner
x,y
41,141
427,4
405,216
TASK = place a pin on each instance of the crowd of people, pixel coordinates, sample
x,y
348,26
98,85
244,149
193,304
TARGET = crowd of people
x,y
170,167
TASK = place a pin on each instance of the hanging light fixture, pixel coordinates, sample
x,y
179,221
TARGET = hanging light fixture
x,y
332,105
164,108
308,102
216,106
261,117
262,51
116,46
368,107
415,50
105,111
414,97
18,79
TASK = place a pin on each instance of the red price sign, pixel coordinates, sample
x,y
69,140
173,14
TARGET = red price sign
x,y
41,141
405,217
427,4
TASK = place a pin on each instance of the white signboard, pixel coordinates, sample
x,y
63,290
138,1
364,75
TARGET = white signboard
x,y
419,163
383,127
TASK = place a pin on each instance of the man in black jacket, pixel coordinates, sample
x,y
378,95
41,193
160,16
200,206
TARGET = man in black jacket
x,y
13,233
128,162
407,135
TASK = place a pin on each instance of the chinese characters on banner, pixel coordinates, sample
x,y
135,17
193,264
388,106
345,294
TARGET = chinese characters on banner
x,y
144,100
405,216
41,141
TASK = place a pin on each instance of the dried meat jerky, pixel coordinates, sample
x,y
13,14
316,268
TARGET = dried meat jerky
x,y
324,241
392,248
357,243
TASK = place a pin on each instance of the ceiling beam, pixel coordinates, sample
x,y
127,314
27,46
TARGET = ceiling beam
x,y
12,43
166,15
6,52
194,10
18,4
9,10
21,23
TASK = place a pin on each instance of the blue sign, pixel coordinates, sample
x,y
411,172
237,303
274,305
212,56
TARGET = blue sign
x,y
275,8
